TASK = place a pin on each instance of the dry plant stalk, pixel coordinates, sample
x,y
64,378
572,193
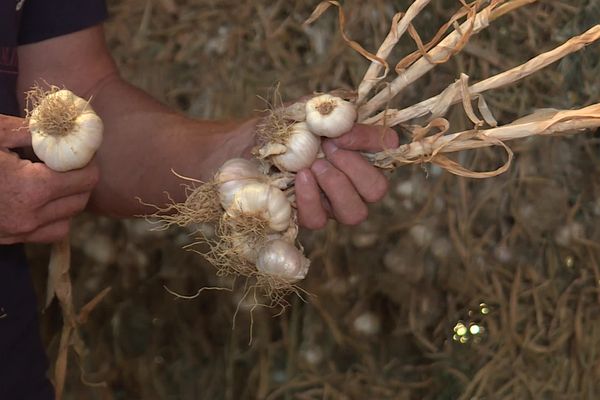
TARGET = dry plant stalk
x,y
438,105
400,24
437,51
441,53
431,148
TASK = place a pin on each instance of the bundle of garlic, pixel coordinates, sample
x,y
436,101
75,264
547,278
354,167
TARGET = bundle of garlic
x,y
252,202
255,223
65,134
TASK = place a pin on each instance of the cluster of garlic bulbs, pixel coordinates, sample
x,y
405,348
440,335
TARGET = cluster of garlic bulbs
x,y
252,201
261,221
260,218
294,143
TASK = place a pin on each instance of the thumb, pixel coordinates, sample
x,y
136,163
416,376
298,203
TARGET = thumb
x,y
13,132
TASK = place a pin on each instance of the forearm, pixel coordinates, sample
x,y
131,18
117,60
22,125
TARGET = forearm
x,y
145,141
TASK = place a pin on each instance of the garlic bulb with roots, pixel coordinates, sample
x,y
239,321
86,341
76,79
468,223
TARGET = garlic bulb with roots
x,y
65,130
329,116
233,175
264,201
301,149
280,259
246,245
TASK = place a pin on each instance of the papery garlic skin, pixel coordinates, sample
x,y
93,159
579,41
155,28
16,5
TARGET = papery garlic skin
x,y
281,259
263,200
329,116
301,149
245,248
233,175
65,151
237,168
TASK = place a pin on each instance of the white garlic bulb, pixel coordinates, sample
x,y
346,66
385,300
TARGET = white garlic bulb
x,y
301,149
281,259
245,247
263,200
329,116
65,131
233,175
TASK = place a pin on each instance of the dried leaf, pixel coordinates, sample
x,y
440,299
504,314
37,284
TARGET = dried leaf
x,y
321,8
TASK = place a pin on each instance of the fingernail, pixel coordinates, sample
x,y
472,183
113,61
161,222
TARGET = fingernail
x,y
329,147
319,167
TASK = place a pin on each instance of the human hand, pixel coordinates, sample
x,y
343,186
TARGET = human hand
x,y
340,185
36,203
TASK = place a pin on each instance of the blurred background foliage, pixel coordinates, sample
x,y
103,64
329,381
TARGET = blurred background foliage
x,y
453,288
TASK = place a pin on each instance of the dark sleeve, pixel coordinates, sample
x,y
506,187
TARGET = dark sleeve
x,y
45,19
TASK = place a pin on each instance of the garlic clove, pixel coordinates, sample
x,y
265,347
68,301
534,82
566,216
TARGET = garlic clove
x,y
263,200
247,247
283,260
300,150
236,169
329,116
234,175
228,190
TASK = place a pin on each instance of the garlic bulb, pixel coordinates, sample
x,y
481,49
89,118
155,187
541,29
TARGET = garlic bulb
x,y
301,149
246,246
263,200
281,259
65,131
329,116
233,175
